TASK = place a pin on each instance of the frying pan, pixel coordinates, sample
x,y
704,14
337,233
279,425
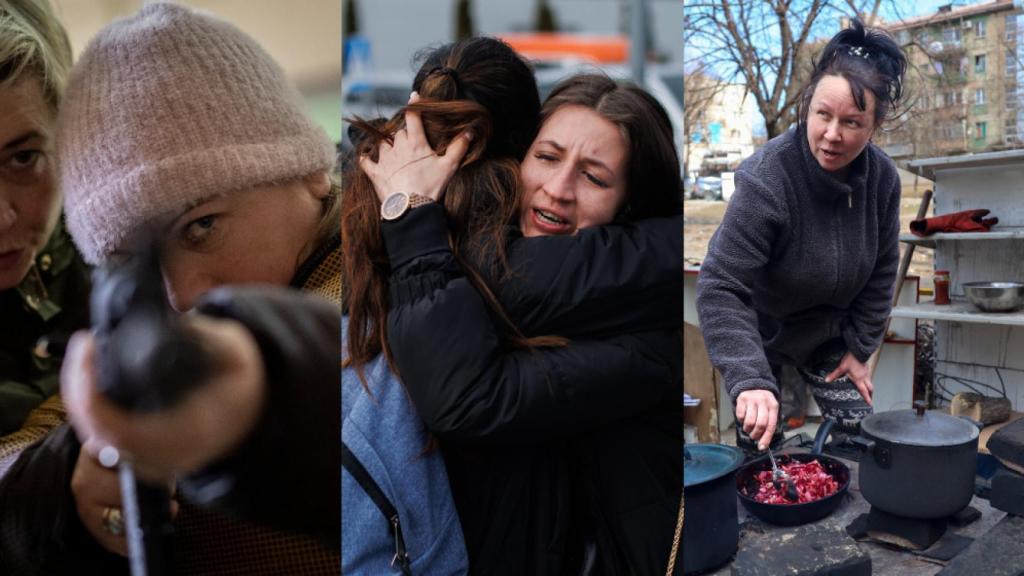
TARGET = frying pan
x,y
794,514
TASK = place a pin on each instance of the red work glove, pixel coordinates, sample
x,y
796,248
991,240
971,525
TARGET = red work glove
x,y
966,221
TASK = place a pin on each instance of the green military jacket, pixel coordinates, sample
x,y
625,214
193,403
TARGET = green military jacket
x,y
52,299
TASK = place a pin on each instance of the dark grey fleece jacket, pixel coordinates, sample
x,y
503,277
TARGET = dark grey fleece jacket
x,y
801,258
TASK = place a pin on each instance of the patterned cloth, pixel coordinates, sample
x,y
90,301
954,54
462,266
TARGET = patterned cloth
x,y
40,421
838,400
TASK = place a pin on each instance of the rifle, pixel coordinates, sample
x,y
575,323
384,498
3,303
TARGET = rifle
x,y
146,361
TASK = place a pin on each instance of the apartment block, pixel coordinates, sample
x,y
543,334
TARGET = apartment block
x,y
965,81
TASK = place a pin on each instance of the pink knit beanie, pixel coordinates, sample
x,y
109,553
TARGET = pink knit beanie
x,y
169,108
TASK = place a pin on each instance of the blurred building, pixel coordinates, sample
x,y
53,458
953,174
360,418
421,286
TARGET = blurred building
x,y
722,133
964,81
303,37
397,29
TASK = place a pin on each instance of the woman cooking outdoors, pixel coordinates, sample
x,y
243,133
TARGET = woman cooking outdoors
x,y
801,271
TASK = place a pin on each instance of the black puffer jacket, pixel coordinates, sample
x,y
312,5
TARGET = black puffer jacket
x,y
550,452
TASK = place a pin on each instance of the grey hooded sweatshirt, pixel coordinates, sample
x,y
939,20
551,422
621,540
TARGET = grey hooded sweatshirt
x,y
801,258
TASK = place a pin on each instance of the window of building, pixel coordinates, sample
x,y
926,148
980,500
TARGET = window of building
x,y
903,37
980,130
1011,63
979,96
948,131
979,28
951,34
1011,26
979,64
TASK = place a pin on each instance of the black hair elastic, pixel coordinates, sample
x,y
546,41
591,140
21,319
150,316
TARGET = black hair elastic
x,y
451,73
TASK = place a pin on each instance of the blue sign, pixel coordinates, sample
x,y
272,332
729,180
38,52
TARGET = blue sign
x,y
715,133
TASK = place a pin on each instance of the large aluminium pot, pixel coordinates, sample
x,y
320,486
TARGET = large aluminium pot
x,y
711,526
918,464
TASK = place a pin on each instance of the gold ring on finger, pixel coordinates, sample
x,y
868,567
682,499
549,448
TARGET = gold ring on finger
x,y
113,522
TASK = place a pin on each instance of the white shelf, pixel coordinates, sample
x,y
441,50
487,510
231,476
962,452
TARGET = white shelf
x,y
958,311
928,167
929,242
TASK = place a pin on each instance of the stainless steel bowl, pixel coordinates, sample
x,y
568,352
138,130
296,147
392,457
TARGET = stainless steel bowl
x,y
995,296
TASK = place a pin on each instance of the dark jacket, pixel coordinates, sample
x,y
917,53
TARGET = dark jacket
x,y
53,298
269,508
526,434
801,258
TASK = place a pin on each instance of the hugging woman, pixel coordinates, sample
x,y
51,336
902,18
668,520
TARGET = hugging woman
x,y
558,427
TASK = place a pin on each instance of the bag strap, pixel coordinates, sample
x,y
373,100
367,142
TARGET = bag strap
x,y
358,471
675,537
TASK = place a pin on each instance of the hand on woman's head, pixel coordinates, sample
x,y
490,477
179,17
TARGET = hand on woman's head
x,y
408,164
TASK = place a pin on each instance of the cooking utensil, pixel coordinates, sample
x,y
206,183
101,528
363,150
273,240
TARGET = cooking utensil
x,y
917,464
711,532
995,296
793,514
779,477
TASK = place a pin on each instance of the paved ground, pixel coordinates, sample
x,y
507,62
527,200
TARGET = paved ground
x,y
702,217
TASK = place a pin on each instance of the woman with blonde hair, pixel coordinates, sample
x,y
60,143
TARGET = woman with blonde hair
x,y
44,284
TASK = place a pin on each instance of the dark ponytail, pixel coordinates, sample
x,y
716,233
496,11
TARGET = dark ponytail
x,y
869,59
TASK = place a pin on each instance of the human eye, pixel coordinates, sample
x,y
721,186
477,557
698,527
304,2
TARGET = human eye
x,y
25,159
595,180
23,166
853,123
200,232
545,156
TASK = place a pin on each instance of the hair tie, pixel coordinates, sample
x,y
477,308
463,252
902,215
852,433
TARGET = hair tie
x,y
858,51
451,73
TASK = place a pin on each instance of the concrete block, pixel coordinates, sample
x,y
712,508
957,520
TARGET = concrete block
x,y
802,551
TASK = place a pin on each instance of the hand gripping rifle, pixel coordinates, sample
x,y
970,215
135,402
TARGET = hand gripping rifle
x,y
147,360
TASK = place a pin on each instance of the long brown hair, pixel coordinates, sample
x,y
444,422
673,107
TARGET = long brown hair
x,y
478,85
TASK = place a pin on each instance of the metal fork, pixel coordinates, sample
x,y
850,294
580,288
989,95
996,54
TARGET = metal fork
x,y
778,477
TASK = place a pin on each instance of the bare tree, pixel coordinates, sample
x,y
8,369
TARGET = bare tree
x,y
700,87
766,45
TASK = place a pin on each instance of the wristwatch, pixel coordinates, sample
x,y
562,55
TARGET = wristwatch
x,y
398,203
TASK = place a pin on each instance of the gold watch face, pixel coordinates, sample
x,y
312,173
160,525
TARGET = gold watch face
x,y
394,205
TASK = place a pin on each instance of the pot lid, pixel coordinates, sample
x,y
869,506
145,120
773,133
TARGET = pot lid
x,y
919,427
706,462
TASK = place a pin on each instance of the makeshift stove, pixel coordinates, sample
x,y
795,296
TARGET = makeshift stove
x,y
926,537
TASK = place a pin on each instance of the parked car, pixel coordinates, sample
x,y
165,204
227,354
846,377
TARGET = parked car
x,y
708,188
